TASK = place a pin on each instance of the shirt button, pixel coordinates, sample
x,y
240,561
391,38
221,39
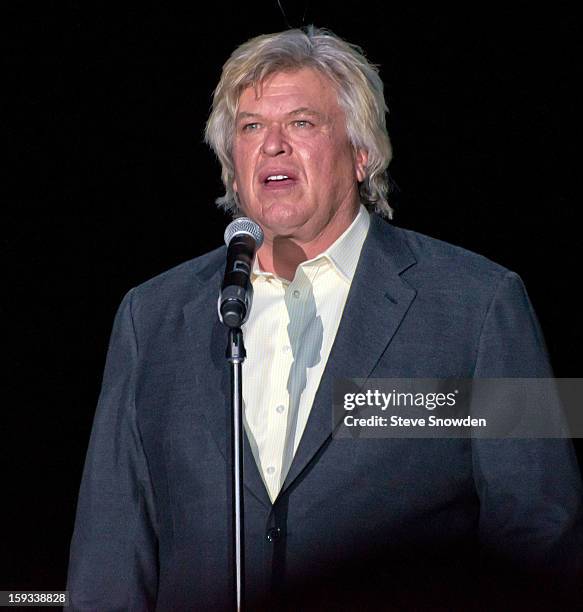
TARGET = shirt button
x,y
296,294
286,349
271,470
280,408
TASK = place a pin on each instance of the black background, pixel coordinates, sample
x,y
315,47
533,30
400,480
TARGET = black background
x,y
108,183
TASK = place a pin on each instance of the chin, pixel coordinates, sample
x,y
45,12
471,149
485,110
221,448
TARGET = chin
x,y
280,217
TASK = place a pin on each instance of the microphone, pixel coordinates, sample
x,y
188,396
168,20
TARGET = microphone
x,y
243,238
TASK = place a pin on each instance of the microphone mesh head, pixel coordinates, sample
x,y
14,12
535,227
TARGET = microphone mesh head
x,y
244,225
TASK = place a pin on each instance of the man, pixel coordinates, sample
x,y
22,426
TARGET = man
x,y
298,125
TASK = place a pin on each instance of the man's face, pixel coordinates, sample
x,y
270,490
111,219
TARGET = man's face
x,y
296,129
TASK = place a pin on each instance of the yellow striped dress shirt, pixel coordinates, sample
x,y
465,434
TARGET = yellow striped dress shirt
x,y
288,338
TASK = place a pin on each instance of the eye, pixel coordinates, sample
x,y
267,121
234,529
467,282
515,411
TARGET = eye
x,y
250,127
302,123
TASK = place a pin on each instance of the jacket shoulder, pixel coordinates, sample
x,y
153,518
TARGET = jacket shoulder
x,y
448,261
180,283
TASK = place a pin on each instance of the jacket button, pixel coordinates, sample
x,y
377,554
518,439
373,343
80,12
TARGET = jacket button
x,y
273,534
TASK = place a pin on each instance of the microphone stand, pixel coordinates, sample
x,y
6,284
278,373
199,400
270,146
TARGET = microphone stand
x,y
236,356
242,237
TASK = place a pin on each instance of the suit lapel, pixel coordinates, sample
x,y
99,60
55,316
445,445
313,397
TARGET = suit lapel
x,y
208,337
377,303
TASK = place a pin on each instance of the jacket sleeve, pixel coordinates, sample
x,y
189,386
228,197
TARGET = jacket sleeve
x,y
529,489
113,556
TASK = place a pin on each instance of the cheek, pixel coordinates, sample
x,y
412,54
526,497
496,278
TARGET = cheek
x,y
240,171
244,160
315,158
330,152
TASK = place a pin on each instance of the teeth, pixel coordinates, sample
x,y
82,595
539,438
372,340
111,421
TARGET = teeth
x,y
277,177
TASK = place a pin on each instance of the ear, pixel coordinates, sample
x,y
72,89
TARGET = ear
x,y
360,163
235,185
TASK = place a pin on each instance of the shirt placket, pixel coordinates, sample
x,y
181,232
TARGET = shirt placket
x,y
278,404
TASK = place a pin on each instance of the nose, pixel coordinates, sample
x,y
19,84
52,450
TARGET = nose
x,y
275,142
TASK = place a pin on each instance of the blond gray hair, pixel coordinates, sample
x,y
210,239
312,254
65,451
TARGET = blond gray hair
x,y
360,95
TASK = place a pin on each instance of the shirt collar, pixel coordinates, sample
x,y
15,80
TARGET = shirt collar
x,y
343,254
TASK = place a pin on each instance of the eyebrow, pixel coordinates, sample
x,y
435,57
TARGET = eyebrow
x,y
304,110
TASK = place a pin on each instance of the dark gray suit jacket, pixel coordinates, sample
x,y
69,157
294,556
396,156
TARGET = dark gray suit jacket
x,y
392,522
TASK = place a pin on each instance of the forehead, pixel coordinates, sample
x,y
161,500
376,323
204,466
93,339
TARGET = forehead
x,y
284,91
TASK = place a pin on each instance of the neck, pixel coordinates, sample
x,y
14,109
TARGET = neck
x,y
281,255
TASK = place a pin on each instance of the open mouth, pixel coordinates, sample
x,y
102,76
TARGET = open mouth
x,y
278,181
